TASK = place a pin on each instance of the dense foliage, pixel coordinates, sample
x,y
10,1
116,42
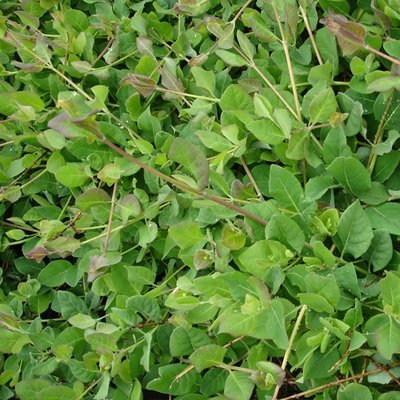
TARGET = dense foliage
x,y
199,199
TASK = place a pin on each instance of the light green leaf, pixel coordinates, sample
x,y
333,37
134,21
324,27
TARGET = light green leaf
x,y
385,216
390,293
128,206
238,386
93,198
207,356
70,304
267,131
235,98
231,58
323,106
71,175
286,231
185,234
204,79
383,331
82,321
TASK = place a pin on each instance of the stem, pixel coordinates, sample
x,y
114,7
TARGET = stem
x,y
107,239
269,84
288,62
310,34
24,185
379,133
380,54
196,96
251,178
290,345
339,381
236,17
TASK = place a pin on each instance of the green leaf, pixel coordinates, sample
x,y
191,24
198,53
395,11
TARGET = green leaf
x,y
231,58
207,356
380,251
235,98
70,304
323,106
385,216
346,277
167,382
267,131
204,79
128,206
383,331
146,306
233,238
354,231
261,256
350,173
93,198
389,292
55,273
192,158
385,83
238,386
82,321
71,175
286,231
185,234
184,341
285,188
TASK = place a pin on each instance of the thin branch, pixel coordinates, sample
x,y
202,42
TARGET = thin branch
x,y
239,13
379,133
251,178
110,217
290,345
310,34
288,62
339,382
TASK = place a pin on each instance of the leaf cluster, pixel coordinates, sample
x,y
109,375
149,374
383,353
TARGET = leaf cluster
x,y
199,199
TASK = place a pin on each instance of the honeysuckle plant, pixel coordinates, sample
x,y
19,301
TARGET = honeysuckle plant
x,y
199,199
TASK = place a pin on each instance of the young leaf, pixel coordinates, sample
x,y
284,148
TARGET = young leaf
x,y
192,158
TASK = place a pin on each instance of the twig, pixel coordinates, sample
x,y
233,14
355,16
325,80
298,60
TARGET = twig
x,y
379,133
239,13
110,217
378,364
288,62
310,34
251,178
290,345
338,382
